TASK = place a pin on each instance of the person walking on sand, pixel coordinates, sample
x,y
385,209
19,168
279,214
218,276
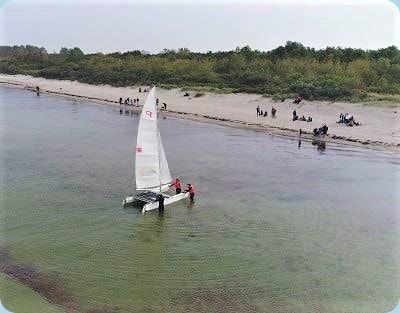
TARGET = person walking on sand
x,y
273,112
258,110
190,190
177,185
137,101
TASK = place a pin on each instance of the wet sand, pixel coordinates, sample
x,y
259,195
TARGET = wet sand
x,y
380,126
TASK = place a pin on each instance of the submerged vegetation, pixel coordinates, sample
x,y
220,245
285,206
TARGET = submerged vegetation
x,y
327,74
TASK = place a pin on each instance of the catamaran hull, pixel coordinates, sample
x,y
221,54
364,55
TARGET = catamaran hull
x,y
128,200
167,201
154,204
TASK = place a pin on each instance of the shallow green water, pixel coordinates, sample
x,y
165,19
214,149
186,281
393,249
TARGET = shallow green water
x,y
274,228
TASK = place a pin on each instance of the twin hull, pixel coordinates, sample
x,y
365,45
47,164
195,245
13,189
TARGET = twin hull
x,y
154,205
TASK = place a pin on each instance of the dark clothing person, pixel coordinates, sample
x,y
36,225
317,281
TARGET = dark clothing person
x,y
140,89
120,101
164,106
273,112
258,111
157,101
265,113
295,117
160,200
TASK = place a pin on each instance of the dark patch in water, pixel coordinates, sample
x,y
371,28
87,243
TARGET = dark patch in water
x,y
100,310
47,286
221,301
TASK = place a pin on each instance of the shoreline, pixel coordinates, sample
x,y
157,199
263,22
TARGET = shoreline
x,y
226,121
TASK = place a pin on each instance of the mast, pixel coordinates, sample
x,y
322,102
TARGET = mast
x,y
158,145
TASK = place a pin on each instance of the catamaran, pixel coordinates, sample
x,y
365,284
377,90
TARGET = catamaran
x,y
151,167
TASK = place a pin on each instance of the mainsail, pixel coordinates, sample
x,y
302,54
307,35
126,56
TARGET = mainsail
x,y
151,167
165,175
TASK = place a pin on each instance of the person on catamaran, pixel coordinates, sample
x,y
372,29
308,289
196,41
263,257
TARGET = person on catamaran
x,y
190,190
177,185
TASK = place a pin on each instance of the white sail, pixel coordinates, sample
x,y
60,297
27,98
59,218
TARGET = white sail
x,y
147,164
165,175
151,167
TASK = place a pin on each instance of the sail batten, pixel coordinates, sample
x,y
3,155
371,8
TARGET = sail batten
x,y
151,167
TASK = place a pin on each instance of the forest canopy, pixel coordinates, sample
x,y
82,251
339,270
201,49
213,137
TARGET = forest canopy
x,y
325,74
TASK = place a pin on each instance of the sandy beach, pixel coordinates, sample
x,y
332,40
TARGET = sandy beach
x,y
380,126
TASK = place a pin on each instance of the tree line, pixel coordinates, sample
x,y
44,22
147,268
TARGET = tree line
x,y
325,74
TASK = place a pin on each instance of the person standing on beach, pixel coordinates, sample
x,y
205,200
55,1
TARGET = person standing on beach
x,y
273,112
258,110
295,117
120,101
137,101
177,185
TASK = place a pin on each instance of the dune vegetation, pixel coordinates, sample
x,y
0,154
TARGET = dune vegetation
x,y
327,74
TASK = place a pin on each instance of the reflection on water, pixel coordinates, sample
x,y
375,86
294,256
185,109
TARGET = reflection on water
x,y
274,228
321,144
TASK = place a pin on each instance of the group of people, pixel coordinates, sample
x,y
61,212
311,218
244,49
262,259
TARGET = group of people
x,y
178,189
129,102
347,120
297,100
265,113
320,131
303,118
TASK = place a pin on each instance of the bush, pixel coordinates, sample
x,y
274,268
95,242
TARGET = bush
x,y
287,71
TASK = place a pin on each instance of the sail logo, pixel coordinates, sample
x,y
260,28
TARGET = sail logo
x,y
149,114
139,150
143,172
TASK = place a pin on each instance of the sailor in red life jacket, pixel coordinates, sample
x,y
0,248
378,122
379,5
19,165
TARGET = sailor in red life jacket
x,y
177,185
190,190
